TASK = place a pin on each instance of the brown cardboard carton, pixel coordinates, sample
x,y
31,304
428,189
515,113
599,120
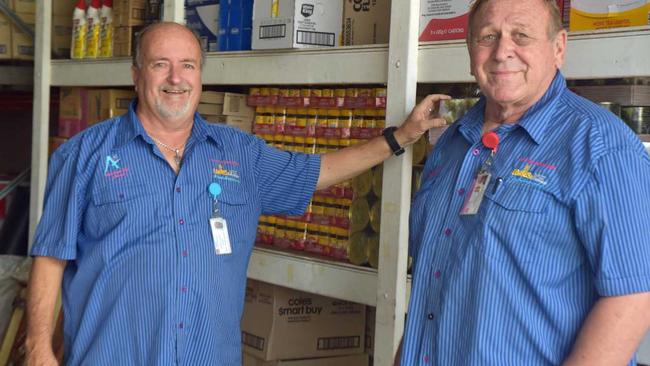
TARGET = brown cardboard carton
x,y
235,104
213,97
5,37
24,6
73,111
61,35
210,108
365,22
349,360
279,323
108,103
22,43
129,13
63,8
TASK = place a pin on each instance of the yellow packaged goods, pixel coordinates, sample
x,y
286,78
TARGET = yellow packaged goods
x,y
359,214
373,250
107,103
5,37
375,216
365,22
362,183
377,178
22,43
280,323
601,14
358,251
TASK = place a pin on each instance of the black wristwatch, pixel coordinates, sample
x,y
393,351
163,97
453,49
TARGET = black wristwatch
x,y
389,135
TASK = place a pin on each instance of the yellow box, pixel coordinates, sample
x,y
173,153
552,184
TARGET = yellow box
x,y
24,6
602,14
5,37
61,35
107,103
22,43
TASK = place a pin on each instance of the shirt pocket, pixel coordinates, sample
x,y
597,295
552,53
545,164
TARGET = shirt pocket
x,y
515,222
240,217
120,210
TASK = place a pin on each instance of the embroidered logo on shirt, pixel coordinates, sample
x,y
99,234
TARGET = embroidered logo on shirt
x,y
526,176
226,174
112,168
537,163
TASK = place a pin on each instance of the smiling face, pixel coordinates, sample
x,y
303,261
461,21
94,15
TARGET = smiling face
x,y
168,77
513,56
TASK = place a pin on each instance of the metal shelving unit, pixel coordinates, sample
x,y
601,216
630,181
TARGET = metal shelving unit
x,y
401,65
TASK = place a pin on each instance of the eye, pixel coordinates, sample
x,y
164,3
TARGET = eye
x,y
487,39
189,66
159,65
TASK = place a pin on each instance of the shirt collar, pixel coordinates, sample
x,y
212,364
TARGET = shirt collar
x,y
535,121
130,127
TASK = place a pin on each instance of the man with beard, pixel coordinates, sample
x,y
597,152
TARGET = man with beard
x,y
548,261
150,219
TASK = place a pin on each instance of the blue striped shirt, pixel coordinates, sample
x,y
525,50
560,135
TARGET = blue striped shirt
x,y
567,224
143,285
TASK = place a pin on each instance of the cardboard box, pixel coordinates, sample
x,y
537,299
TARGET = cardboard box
x,y
235,104
24,6
61,35
214,97
243,123
129,13
209,108
371,318
601,14
296,24
204,20
350,360
5,37
443,19
124,40
107,103
22,44
280,323
63,8
73,111
366,22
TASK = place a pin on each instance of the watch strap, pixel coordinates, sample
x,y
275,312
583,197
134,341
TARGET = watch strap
x,y
389,135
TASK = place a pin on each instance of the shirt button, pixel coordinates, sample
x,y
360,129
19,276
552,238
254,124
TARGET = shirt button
x,y
475,152
437,274
430,316
184,253
447,232
180,325
181,221
426,359
178,189
184,289
461,191
120,196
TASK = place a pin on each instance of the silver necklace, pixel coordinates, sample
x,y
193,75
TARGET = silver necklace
x,y
177,151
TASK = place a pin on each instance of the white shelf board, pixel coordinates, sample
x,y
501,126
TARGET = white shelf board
x,y
344,65
16,75
613,53
318,276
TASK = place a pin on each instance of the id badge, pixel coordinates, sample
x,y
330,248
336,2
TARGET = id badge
x,y
220,237
479,185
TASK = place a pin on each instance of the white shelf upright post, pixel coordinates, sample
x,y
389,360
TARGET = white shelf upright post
x,y
396,192
41,112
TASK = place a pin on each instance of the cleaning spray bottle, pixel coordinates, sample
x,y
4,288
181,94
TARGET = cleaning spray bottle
x,y
106,31
92,35
78,45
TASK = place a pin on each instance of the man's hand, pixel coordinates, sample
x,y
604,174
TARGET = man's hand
x,y
423,117
44,357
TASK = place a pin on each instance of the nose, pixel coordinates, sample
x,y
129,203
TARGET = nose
x,y
174,76
504,48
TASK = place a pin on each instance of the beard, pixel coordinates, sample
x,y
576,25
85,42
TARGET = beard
x,y
173,111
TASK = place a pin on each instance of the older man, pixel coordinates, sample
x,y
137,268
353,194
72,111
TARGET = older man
x,y
150,219
530,232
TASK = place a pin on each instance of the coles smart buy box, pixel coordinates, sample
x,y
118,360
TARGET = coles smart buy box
x,y
601,14
281,323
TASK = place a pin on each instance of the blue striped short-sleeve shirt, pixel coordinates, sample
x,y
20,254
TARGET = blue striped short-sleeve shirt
x,y
566,224
143,285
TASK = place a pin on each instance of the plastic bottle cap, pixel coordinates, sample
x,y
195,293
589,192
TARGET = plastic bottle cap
x,y
96,4
81,4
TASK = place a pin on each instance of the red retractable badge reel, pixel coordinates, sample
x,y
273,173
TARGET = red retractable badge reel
x,y
491,141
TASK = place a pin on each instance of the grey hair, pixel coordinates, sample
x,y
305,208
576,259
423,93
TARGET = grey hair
x,y
554,26
137,56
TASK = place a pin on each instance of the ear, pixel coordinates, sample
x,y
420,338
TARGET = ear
x,y
559,48
135,74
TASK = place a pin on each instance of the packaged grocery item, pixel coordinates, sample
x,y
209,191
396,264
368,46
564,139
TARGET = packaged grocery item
x,y
106,29
79,30
93,28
